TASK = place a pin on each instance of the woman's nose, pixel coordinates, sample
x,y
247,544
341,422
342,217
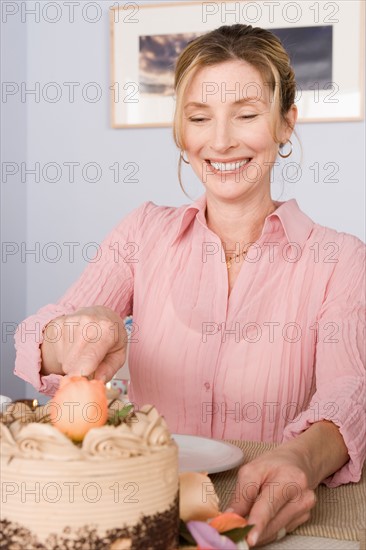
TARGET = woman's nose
x,y
222,137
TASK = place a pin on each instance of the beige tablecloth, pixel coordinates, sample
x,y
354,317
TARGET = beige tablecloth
x,y
340,513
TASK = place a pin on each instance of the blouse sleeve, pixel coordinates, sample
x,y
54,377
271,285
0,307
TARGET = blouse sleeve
x,y
340,362
107,280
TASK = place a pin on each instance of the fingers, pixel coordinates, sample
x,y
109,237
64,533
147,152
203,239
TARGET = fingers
x,y
246,492
83,363
100,350
274,495
267,506
256,488
291,515
97,363
298,521
110,365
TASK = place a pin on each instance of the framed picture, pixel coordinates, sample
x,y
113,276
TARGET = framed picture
x,y
325,41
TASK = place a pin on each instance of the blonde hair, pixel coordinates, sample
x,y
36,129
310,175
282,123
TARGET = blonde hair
x,y
258,47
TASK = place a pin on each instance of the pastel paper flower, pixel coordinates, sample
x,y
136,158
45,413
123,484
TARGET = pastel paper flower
x,y
78,406
208,538
197,497
227,521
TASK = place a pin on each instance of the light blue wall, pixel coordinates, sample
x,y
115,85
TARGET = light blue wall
x,y
13,203
83,212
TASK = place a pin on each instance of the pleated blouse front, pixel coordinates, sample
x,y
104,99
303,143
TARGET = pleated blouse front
x,y
284,350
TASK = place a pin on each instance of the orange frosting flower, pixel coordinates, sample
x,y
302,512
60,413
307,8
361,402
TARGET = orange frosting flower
x,y
227,521
78,406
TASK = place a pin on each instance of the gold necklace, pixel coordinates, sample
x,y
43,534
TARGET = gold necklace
x,y
229,261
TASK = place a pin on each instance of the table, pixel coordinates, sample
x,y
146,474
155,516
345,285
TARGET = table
x,y
338,521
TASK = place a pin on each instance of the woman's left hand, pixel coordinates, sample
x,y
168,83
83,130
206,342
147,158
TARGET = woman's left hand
x,y
274,490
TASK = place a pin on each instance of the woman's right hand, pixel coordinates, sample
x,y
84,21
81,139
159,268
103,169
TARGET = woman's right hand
x,y
90,342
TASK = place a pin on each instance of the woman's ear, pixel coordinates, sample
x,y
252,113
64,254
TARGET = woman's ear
x,y
291,118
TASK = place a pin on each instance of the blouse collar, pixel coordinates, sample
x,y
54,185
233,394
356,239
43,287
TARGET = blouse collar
x,y
296,225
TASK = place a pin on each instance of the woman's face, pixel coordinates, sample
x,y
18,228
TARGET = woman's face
x,y
227,130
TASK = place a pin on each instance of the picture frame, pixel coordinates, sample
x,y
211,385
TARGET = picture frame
x,y
325,41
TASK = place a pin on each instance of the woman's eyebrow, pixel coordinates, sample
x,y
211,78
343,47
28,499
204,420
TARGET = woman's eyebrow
x,y
237,103
196,104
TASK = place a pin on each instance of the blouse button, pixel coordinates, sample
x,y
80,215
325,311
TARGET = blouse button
x,y
207,385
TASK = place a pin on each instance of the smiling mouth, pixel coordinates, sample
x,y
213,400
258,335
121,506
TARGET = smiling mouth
x,y
228,166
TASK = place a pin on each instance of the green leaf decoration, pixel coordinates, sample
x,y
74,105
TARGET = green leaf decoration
x,y
237,534
185,537
125,411
120,415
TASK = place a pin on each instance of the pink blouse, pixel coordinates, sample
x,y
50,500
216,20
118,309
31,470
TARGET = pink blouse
x,y
284,350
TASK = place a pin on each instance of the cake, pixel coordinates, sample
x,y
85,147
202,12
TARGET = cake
x,y
117,489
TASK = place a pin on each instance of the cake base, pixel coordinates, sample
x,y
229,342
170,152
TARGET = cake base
x,y
157,532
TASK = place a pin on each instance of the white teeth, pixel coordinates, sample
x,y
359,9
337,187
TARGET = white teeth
x,y
228,166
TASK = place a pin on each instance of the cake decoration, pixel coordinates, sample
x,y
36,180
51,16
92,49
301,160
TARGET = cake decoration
x,y
116,488
29,434
197,497
201,522
78,406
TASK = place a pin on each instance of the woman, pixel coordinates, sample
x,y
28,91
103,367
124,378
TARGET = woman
x,y
247,314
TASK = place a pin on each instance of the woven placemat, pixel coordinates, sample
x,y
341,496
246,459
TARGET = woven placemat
x,y
340,513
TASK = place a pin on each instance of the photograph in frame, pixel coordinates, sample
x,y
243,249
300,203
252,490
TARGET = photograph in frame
x,y
147,39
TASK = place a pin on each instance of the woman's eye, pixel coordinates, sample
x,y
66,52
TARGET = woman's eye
x,y
197,119
247,117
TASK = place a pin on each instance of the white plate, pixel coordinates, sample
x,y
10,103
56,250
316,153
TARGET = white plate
x,y
201,454
4,402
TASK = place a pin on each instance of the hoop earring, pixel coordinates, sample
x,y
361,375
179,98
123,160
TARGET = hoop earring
x,y
282,145
182,157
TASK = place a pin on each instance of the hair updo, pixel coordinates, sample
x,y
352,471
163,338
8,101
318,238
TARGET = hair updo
x,y
258,47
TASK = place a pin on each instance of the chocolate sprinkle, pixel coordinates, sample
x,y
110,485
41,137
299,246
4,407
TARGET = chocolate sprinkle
x,y
157,532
